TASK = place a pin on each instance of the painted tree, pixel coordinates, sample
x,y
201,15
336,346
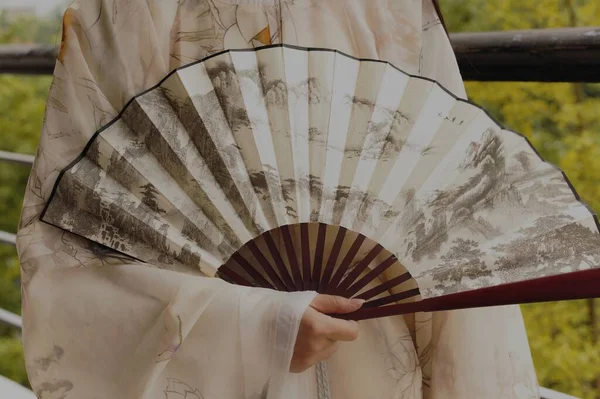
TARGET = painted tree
x,y
149,194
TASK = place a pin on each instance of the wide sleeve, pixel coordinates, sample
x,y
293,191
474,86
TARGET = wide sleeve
x,y
97,324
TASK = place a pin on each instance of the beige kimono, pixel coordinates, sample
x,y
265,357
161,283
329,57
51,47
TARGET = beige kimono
x,y
97,325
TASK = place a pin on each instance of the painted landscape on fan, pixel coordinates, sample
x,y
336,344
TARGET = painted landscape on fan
x,y
237,146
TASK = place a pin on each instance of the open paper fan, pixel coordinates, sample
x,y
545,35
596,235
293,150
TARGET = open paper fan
x,y
308,169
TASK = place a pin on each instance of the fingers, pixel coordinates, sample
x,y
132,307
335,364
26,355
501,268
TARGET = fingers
x,y
342,330
323,326
331,304
319,334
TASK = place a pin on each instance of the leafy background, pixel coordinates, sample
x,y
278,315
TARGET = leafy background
x,y
561,119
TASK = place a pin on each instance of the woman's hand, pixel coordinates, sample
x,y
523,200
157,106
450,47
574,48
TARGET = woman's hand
x,y
319,334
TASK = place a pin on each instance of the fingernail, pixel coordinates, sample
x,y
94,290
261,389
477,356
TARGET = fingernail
x,y
357,302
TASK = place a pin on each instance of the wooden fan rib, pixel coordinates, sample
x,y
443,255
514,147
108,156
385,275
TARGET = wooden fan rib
x,y
251,270
285,274
305,248
576,285
358,270
343,268
234,277
333,256
268,267
372,275
318,259
392,298
291,255
373,292
384,311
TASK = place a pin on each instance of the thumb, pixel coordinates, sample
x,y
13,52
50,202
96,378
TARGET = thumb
x,y
331,304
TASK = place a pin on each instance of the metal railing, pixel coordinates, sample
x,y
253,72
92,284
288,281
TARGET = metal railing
x,y
545,55
11,319
541,55
8,238
12,390
22,159
546,393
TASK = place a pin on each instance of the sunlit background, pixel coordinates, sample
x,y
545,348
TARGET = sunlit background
x,y
561,119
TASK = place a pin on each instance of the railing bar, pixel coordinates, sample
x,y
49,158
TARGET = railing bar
x,y
546,393
10,389
11,318
15,157
8,238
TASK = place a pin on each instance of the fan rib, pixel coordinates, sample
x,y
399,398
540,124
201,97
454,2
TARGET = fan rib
x,y
291,255
372,275
251,270
373,292
267,266
304,239
318,259
343,268
333,256
358,270
234,277
392,298
577,285
285,273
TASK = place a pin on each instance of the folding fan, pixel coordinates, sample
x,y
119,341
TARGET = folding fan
x,y
308,169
